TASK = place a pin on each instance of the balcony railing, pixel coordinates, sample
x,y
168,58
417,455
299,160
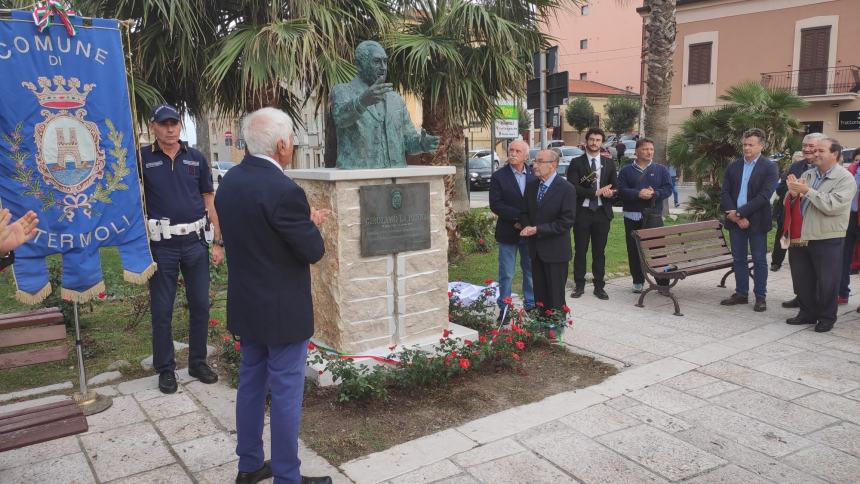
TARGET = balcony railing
x,y
830,81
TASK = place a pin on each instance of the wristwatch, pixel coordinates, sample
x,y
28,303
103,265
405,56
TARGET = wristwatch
x,y
7,260
219,242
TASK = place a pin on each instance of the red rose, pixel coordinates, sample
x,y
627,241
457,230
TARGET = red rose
x,y
311,346
539,304
552,333
476,353
549,312
515,328
213,322
453,354
565,308
237,346
482,339
446,333
488,281
225,338
101,295
520,345
450,293
507,300
509,340
482,241
467,342
515,356
494,332
464,364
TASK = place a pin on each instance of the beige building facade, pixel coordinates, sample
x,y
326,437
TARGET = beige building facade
x,y
811,47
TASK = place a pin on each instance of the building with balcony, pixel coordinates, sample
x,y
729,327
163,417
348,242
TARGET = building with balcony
x,y
811,47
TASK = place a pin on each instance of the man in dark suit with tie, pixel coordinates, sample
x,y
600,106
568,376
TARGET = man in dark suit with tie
x,y
507,189
595,180
550,212
271,237
748,185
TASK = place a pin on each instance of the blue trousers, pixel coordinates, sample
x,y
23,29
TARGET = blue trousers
x,y
757,243
507,267
280,368
189,255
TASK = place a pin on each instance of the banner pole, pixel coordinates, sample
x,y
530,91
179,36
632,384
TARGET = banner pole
x,y
90,402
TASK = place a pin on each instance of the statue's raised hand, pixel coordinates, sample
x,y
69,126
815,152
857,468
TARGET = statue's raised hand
x,y
375,93
429,142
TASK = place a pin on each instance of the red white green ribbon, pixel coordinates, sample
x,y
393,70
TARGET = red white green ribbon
x,y
343,356
43,11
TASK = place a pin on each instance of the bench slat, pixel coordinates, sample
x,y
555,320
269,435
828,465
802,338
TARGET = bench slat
x,y
678,229
685,257
29,313
32,357
38,418
43,433
27,411
683,238
712,261
43,334
38,319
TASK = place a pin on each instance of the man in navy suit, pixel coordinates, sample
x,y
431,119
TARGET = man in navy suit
x,y
748,185
547,220
271,237
507,190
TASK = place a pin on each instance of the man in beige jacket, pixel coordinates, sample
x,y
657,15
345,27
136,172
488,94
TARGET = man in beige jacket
x,y
827,192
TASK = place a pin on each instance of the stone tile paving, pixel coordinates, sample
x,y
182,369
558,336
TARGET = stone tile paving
x,y
720,395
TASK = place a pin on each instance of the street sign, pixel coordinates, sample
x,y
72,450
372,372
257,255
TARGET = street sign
x,y
849,121
507,111
507,128
557,89
552,60
533,93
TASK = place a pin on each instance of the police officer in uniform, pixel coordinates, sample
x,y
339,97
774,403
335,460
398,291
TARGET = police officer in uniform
x,y
182,222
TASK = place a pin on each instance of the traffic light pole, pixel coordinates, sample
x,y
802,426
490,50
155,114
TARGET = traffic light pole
x,y
542,57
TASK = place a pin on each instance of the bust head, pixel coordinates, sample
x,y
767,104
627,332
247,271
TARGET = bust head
x,y
372,62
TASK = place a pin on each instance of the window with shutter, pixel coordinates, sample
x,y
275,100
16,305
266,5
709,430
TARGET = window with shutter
x,y
699,65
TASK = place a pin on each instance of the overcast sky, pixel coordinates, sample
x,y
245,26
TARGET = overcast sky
x,y
189,130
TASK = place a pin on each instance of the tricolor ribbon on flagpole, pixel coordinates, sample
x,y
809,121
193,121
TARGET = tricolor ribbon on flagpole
x,y
43,11
342,356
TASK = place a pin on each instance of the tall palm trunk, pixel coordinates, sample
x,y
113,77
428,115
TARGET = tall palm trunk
x,y
659,49
204,144
449,153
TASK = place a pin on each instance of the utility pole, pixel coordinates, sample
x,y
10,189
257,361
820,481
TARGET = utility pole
x,y
542,57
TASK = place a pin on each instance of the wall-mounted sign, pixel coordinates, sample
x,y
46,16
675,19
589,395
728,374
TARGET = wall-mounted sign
x,y
849,121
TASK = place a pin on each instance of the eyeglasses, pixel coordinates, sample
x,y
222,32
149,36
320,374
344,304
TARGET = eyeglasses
x,y
542,161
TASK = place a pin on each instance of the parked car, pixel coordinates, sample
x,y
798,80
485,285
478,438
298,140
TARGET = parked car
x,y
219,169
556,143
847,155
479,173
532,154
629,152
568,153
485,153
561,169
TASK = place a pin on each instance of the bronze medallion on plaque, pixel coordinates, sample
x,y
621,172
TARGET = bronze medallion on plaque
x,y
394,218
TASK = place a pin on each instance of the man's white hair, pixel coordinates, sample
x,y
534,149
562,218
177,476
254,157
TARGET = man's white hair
x,y
263,128
525,146
813,137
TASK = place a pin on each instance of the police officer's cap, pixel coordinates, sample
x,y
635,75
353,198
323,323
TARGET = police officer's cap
x,y
163,112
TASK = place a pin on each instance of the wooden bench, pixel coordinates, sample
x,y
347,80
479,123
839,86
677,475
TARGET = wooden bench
x,y
676,252
45,422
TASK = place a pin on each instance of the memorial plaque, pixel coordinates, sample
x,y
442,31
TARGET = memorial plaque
x,y
394,218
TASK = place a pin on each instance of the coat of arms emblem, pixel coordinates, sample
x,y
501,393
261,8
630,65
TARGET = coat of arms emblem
x,y
396,199
69,156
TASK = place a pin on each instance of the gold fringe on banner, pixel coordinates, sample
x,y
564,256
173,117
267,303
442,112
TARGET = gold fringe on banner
x,y
36,298
140,278
83,296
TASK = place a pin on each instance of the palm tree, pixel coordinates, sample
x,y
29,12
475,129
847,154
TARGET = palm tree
x,y
658,49
460,56
768,109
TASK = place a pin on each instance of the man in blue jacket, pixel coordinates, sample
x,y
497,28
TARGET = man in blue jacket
x,y
642,186
748,185
271,237
507,201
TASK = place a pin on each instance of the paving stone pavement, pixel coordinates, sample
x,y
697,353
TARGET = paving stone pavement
x,y
720,395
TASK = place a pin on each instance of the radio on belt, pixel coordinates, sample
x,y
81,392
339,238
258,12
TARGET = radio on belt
x,y
208,230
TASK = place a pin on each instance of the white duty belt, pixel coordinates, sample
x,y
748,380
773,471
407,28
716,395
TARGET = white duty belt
x,y
161,229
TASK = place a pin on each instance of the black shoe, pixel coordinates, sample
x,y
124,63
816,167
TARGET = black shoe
x,y
167,382
578,291
775,267
823,327
258,475
760,304
735,299
600,293
794,303
316,480
203,373
798,320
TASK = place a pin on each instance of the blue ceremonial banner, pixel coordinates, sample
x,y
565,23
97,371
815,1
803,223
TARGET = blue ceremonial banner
x,y
67,152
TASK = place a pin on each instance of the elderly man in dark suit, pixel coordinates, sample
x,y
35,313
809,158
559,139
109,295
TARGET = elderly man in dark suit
x,y
595,179
271,237
549,215
748,185
507,201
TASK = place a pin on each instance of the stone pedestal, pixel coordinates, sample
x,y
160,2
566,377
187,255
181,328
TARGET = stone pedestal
x,y
363,305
